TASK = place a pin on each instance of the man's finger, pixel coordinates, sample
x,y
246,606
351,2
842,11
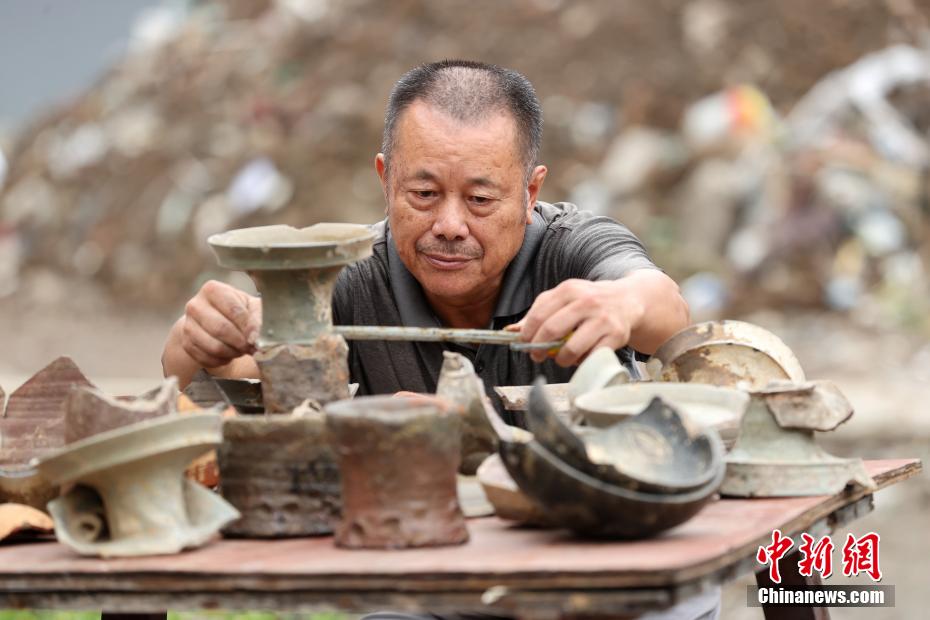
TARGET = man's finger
x,y
233,304
202,357
254,305
417,398
580,343
556,327
547,304
208,343
561,322
218,326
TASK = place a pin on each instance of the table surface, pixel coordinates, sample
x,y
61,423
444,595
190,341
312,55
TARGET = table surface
x,y
499,562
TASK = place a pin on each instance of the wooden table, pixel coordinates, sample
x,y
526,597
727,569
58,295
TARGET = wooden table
x,y
525,572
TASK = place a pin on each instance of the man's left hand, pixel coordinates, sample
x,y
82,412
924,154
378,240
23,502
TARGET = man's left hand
x,y
605,313
590,314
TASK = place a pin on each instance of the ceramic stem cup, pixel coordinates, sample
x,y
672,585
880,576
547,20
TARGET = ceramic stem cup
x,y
398,459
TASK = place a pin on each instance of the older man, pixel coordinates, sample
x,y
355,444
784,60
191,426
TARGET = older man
x,y
466,243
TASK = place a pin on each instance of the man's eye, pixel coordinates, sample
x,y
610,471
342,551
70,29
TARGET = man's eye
x,y
481,200
424,194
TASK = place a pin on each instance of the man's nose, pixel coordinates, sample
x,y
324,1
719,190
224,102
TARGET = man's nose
x,y
451,222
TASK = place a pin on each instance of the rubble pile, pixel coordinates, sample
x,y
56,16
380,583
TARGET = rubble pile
x,y
238,113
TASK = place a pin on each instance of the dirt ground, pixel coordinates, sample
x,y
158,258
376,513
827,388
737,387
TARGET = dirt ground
x,y
884,372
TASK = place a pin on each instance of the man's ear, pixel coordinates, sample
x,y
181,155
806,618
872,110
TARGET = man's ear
x,y
381,168
532,190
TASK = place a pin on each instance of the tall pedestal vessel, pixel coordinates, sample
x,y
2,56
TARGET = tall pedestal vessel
x,y
295,269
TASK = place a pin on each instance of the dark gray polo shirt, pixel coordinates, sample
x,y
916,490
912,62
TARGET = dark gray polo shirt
x,y
561,243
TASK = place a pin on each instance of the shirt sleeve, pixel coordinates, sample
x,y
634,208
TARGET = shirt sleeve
x,y
594,247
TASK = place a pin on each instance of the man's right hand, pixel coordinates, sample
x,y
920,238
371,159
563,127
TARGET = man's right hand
x,y
220,325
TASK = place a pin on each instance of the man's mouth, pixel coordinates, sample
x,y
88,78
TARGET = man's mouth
x,y
447,263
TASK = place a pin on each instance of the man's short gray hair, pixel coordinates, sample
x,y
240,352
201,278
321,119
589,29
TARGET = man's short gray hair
x,y
468,91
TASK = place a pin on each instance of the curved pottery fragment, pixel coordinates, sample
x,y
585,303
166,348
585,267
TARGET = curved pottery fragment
x,y
281,474
726,353
398,458
130,496
701,405
653,451
777,455
295,270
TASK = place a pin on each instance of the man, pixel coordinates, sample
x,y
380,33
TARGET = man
x,y
466,243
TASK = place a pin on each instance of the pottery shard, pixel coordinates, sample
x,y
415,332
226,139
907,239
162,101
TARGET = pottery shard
x,y
398,460
281,474
32,422
89,412
294,373
202,391
459,385
816,405
25,434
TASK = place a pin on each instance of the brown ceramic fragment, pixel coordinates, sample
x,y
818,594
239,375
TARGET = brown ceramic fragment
x,y
19,434
398,458
89,412
281,474
32,423
293,373
42,395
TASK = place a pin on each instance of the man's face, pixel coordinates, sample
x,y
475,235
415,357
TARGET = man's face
x,y
457,201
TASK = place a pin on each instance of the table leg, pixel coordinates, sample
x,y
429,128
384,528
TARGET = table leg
x,y
790,576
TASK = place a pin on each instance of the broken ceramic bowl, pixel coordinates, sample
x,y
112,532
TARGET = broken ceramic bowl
x,y
591,507
129,495
725,353
653,451
777,455
703,405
